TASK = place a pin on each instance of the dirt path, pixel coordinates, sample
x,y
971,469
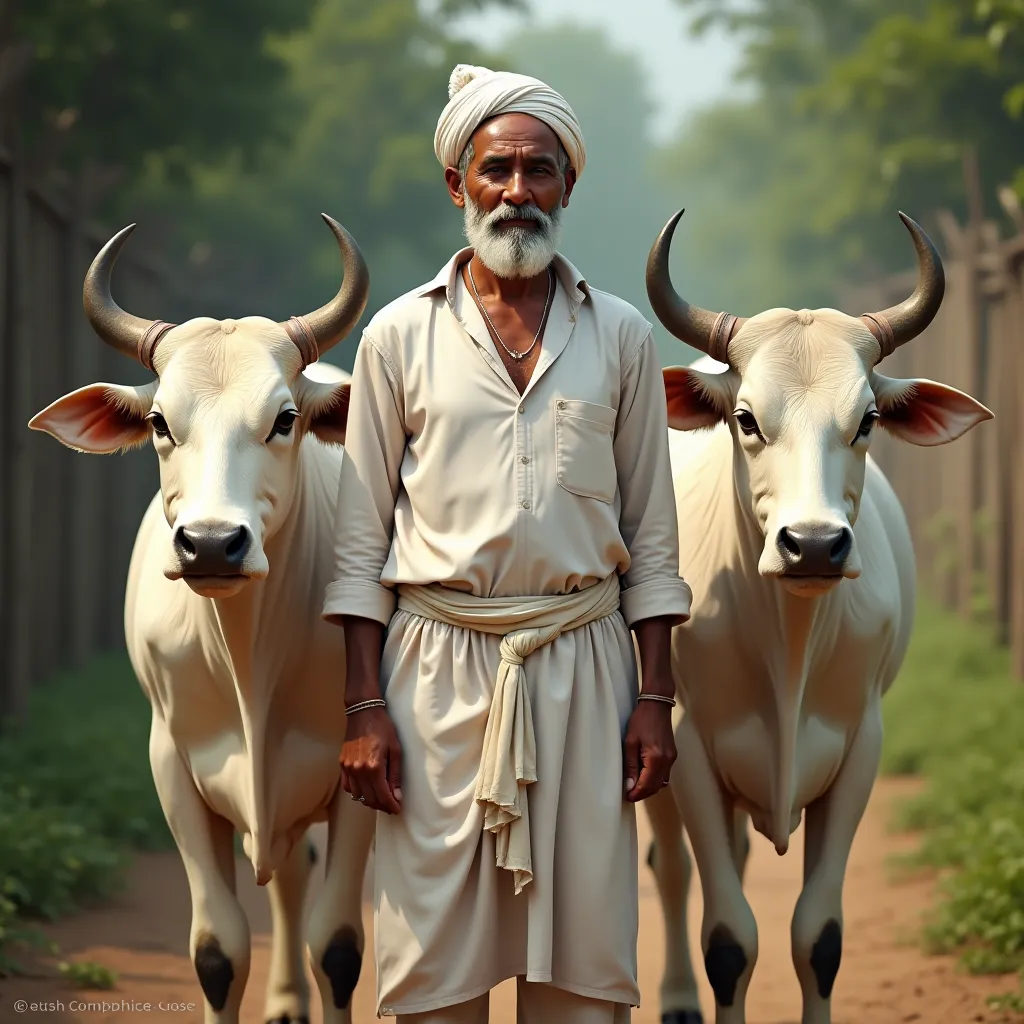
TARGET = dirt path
x,y
884,979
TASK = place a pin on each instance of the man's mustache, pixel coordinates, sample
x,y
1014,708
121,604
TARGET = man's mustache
x,y
528,211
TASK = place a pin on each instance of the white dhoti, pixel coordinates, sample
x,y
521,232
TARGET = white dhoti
x,y
488,874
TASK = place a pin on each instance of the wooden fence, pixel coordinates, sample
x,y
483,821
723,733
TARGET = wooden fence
x,y
67,520
965,500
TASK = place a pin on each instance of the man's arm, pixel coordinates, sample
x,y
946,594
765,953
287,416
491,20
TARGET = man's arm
x,y
374,447
654,596
653,588
367,490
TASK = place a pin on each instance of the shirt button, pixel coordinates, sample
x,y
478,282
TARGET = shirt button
x,y
561,405
524,459
522,408
526,504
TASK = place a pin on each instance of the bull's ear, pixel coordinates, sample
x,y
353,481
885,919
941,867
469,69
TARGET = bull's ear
x,y
695,399
925,413
99,419
326,405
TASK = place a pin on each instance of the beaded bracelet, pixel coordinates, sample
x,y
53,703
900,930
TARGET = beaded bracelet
x,y
364,704
658,697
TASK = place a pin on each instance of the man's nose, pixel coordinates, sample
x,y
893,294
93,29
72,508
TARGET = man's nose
x,y
517,191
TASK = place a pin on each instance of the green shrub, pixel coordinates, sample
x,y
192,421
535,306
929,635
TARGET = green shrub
x,y
76,794
956,717
87,974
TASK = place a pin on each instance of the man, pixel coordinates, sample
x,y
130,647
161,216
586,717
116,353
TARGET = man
x,y
507,485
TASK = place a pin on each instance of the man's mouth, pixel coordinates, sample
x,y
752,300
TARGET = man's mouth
x,y
518,222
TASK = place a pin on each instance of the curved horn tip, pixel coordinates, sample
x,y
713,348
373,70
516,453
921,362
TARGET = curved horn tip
x,y
673,221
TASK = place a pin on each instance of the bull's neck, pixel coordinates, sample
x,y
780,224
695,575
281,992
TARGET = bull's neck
x,y
245,620
787,653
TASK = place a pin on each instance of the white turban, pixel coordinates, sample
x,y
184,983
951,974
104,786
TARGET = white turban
x,y
476,93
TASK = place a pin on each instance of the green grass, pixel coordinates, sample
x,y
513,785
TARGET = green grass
x,y
956,717
76,795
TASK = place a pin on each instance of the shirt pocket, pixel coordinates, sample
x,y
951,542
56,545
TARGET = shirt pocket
x,y
584,457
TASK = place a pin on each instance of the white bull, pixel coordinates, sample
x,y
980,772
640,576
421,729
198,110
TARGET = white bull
x,y
803,578
223,626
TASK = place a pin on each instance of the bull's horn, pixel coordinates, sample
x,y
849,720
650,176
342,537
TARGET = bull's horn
x,y
704,330
896,325
317,332
129,334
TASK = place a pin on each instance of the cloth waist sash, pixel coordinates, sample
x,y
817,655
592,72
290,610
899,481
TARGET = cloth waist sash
x,y
509,760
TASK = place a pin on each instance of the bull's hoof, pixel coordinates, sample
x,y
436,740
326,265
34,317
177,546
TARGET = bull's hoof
x,y
682,1017
287,1018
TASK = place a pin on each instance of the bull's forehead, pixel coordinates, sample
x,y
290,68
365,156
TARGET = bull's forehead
x,y
241,364
804,364
226,354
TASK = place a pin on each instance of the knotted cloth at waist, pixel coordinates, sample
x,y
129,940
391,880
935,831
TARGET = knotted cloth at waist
x,y
509,761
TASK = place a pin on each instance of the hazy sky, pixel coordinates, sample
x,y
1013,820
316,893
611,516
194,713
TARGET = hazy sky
x,y
683,73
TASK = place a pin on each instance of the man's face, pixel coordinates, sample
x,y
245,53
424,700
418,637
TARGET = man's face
x,y
515,187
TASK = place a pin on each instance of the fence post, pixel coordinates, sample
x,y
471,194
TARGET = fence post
x,y
21,576
85,523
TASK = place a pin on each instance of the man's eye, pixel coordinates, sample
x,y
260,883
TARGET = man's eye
x,y
284,423
747,423
159,425
866,424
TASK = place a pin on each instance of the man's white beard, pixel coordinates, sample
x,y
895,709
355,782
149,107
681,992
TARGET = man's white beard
x,y
513,252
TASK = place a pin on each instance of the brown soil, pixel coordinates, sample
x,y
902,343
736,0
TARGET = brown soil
x,y
884,979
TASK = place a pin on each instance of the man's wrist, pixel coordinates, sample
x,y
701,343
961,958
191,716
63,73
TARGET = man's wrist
x,y
361,694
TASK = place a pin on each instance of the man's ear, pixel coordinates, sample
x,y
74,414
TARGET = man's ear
x,y
99,419
925,413
456,186
696,400
326,406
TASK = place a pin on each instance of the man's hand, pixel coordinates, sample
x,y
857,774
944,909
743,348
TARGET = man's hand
x,y
371,761
650,749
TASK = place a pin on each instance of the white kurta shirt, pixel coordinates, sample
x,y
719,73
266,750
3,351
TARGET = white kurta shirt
x,y
451,476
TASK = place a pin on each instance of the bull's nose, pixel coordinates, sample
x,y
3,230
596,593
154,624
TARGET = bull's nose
x,y
211,548
814,549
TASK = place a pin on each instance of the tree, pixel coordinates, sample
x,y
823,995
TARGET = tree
x,y
367,83
863,107
116,81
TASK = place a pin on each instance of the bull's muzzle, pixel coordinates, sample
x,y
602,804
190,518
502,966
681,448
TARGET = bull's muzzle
x,y
207,549
814,549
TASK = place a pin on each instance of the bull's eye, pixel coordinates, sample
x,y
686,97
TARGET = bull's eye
x,y
864,430
747,423
284,423
159,425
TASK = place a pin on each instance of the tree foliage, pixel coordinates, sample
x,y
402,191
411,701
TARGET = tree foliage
x,y
116,80
862,107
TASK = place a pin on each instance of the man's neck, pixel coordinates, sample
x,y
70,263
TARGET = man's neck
x,y
507,289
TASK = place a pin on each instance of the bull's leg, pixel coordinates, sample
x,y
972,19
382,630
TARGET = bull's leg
x,y
219,940
287,1000
740,841
831,824
670,862
336,939
729,931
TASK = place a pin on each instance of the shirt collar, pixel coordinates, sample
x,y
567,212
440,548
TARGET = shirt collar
x,y
571,279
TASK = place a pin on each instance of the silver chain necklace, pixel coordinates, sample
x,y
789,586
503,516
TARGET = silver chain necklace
x,y
543,320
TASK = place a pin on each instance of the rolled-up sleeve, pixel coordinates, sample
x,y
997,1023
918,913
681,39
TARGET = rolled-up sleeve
x,y
375,441
652,587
